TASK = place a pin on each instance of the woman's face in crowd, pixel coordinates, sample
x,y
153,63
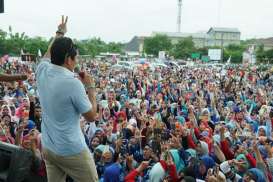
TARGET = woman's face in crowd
x,y
5,111
99,134
106,113
6,119
97,156
247,179
240,150
261,132
38,112
26,144
143,105
240,116
202,169
178,131
163,105
26,103
202,125
147,152
230,116
110,96
25,113
107,157
95,142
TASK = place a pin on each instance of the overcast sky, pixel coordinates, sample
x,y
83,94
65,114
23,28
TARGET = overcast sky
x,y
120,20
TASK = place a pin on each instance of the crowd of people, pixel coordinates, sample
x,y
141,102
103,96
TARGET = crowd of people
x,y
190,124
169,125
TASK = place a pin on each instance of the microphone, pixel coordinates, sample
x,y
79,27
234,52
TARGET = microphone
x,y
79,72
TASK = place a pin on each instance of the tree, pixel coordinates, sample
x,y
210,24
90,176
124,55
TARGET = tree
x,y
184,48
12,43
3,36
114,47
95,46
203,51
260,54
235,51
152,45
269,55
32,45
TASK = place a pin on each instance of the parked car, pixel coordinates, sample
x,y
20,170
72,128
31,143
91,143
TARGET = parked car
x,y
123,65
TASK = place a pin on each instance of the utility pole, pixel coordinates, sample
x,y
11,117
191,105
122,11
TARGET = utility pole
x,y
219,13
222,47
179,16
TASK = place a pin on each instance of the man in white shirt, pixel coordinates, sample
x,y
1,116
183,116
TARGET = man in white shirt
x,y
63,100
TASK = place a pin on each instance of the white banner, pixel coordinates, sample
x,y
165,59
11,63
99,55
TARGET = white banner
x,y
215,54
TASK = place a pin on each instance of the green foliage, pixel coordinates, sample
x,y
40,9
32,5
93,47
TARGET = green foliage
x,y
264,56
203,51
12,43
114,47
152,45
269,55
91,47
32,44
235,51
95,46
183,49
260,54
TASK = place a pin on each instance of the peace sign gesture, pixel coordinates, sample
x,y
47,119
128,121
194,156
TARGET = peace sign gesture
x,y
62,29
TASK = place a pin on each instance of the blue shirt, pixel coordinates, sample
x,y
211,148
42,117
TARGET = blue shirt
x,y
63,99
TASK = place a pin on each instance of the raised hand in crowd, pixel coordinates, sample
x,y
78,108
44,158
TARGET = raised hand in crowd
x,y
142,166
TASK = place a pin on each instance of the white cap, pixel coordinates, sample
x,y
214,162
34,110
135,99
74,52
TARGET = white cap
x,y
133,122
225,168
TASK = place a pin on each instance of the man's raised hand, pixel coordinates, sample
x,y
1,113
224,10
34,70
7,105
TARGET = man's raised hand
x,y
62,28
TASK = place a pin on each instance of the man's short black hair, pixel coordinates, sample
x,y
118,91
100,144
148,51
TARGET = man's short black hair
x,y
61,49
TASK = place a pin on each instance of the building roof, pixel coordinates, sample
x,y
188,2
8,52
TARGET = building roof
x,y
266,41
133,45
221,29
178,34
